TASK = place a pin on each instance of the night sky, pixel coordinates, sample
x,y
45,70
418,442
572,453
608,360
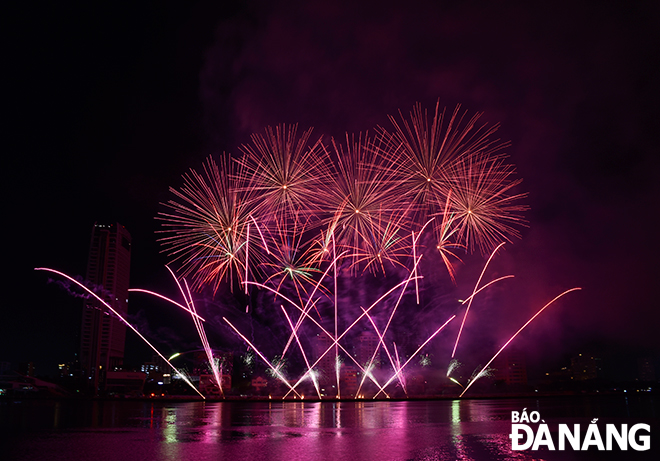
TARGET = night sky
x,y
110,104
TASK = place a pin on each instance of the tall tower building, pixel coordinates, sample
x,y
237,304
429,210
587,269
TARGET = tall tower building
x,y
103,336
366,346
326,367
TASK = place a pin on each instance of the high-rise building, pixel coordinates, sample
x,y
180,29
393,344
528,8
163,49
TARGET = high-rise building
x,y
366,346
103,336
326,366
511,367
586,367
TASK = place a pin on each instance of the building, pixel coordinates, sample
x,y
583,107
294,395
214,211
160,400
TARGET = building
x,y
103,335
366,346
125,382
511,367
326,366
586,367
349,380
259,384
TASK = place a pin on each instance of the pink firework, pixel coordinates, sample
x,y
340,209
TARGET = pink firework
x,y
484,207
424,150
360,199
292,261
386,245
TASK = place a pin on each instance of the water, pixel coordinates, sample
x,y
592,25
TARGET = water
x,y
407,430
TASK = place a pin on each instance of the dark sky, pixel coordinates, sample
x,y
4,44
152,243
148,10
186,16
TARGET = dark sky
x,y
110,105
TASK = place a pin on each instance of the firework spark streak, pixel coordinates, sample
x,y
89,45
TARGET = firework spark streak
x,y
158,295
336,341
310,304
516,334
414,246
394,363
364,313
202,336
389,321
472,297
402,380
276,372
398,372
62,274
302,351
197,321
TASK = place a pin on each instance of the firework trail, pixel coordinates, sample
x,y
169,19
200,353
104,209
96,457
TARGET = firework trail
x,y
467,310
304,312
364,313
302,351
191,309
389,321
516,334
400,369
394,362
402,378
276,372
123,321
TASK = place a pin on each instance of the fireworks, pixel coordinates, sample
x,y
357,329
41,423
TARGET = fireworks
x,y
368,194
295,225
209,224
485,212
284,173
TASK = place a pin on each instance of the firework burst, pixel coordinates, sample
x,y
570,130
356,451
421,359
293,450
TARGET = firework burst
x,y
360,196
285,172
292,260
423,152
485,210
208,225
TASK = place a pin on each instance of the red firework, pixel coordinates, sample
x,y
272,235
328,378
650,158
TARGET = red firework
x,y
360,199
292,260
423,151
284,171
483,206
208,225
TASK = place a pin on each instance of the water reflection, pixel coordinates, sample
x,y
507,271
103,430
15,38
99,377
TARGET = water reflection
x,y
418,430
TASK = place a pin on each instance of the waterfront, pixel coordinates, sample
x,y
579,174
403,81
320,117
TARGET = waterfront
x,y
471,429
